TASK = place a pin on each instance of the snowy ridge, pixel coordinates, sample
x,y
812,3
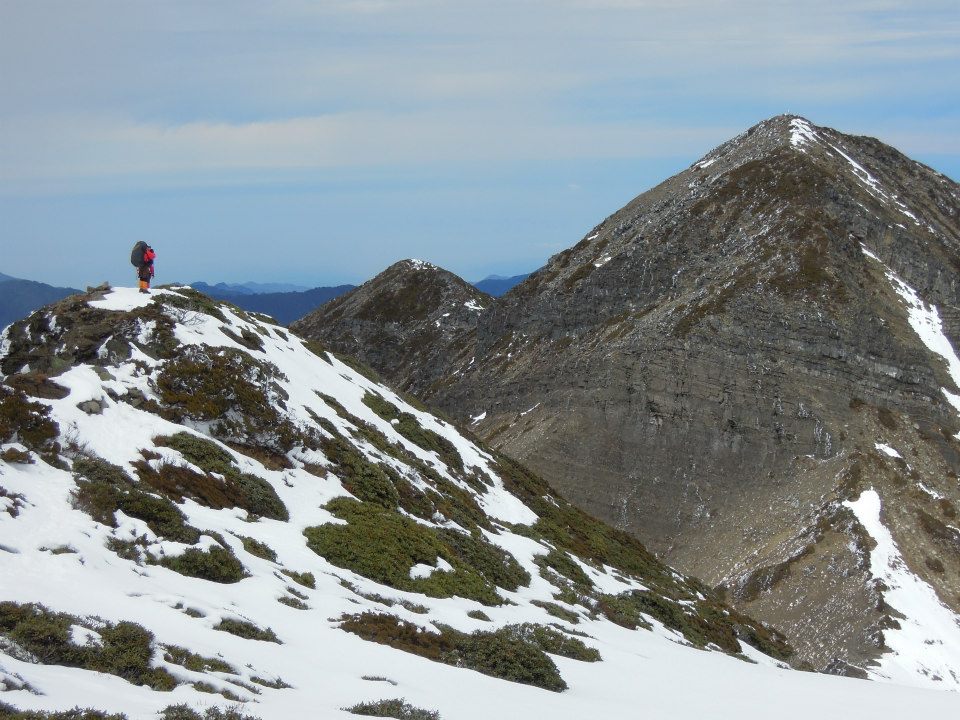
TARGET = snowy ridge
x,y
56,554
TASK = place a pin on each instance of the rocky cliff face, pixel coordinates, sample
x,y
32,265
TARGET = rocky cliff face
x,y
411,322
725,362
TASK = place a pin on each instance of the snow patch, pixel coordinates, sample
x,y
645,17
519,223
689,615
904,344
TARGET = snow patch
x,y
925,320
801,133
887,450
122,299
925,650
421,264
84,637
422,570
932,493
527,412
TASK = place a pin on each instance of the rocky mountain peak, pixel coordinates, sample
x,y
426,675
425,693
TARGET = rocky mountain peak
x,y
412,315
719,366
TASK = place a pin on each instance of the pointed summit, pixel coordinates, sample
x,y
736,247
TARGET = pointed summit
x,y
412,315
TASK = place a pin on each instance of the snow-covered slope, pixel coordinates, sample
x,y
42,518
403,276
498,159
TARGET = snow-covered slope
x,y
198,507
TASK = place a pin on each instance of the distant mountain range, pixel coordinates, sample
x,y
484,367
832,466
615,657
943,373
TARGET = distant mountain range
x,y
286,306
20,297
283,301
248,288
497,285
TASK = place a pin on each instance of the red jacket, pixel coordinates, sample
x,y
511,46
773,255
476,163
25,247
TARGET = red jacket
x,y
148,257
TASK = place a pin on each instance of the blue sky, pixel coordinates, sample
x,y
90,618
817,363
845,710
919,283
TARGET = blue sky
x,y
317,142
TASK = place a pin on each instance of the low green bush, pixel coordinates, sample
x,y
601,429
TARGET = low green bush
x,y
185,712
563,564
27,422
293,602
397,708
384,546
703,623
276,683
409,427
502,654
260,549
125,649
246,630
247,339
552,641
216,564
557,611
621,610
306,579
365,480
103,488
238,393
8,712
205,454
496,565
512,653
197,663
194,300
234,489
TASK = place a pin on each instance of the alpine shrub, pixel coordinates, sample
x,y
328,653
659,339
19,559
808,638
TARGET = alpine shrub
x,y
397,708
8,712
260,549
306,579
409,427
511,653
384,546
103,488
124,649
185,712
24,421
246,630
216,564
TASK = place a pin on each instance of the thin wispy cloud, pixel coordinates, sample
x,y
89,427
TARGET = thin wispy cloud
x,y
110,95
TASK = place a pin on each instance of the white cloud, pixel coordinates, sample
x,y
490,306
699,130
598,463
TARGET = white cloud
x,y
92,147
109,88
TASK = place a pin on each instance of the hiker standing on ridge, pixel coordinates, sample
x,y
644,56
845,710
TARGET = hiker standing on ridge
x,y
142,259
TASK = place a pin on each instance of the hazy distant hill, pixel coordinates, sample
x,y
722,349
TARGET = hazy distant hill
x,y
497,285
248,288
18,298
284,306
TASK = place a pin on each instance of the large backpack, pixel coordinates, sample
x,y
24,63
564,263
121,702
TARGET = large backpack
x,y
136,255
